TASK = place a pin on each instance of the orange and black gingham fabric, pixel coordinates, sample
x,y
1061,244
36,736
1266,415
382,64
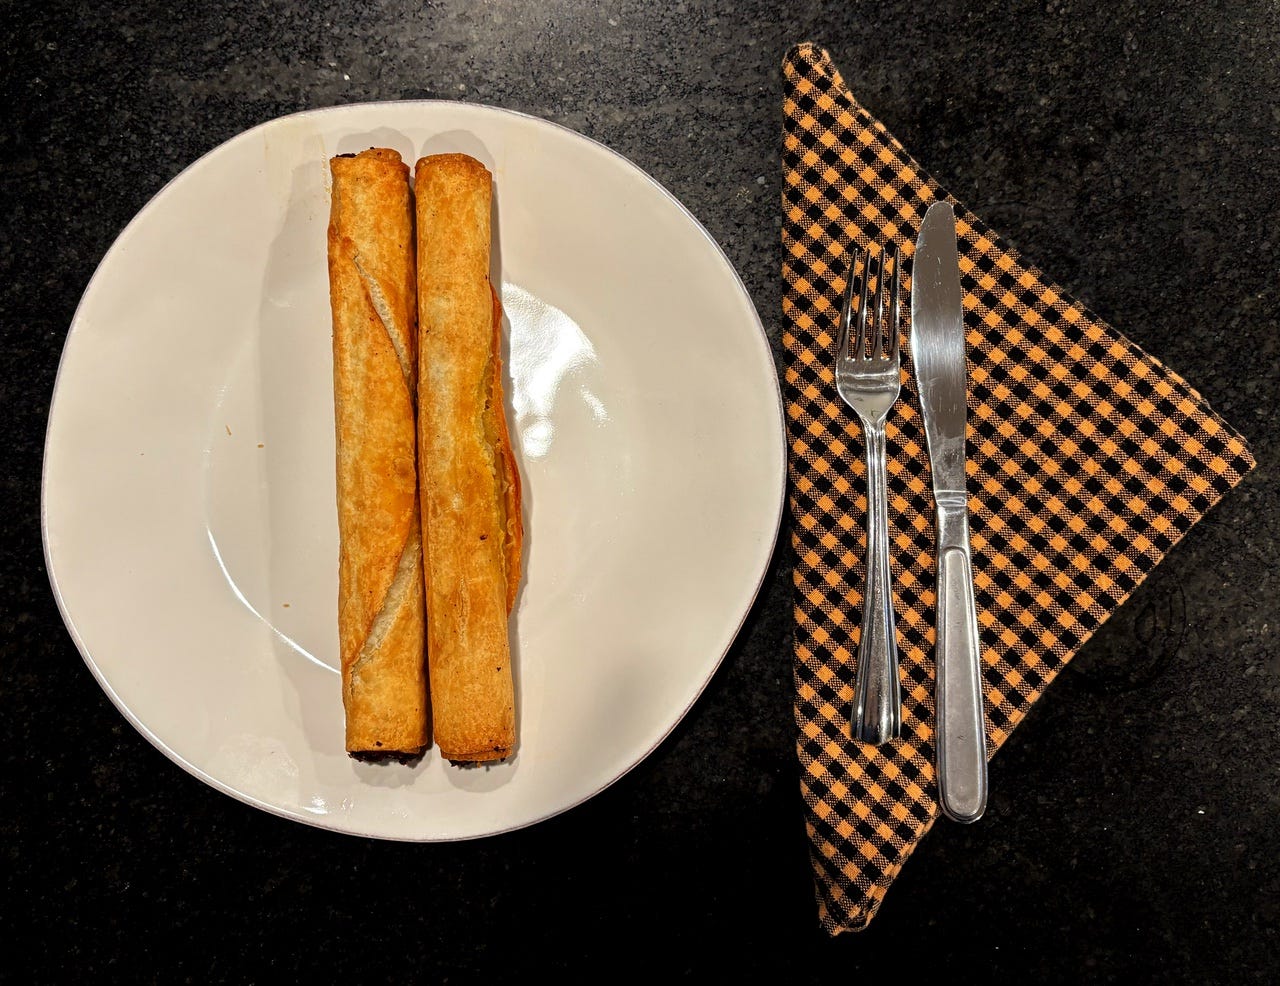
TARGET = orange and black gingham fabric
x,y
1088,461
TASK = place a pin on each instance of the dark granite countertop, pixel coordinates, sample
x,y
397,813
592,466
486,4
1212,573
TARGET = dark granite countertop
x,y
1131,150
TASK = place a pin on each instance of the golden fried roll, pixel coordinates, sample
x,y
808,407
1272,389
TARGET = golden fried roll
x,y
372,288
470,488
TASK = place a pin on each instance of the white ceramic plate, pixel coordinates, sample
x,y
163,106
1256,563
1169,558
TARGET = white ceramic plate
x,y
189,518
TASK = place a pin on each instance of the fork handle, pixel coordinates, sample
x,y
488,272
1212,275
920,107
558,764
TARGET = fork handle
x,y
878,702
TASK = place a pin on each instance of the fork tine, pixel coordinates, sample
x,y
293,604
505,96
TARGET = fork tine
x,y
895,313
861,351
846,308
877,348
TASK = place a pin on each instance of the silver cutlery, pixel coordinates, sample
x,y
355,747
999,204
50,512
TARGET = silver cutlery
x,y
868,378
938,354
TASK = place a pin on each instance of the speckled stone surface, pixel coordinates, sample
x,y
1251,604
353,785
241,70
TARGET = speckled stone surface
x,y
1132,151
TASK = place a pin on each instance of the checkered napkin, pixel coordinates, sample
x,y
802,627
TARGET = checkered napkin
x,y
1088,461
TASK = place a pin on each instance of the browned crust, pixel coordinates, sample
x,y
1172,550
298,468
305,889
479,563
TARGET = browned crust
x,y
372,289
468,480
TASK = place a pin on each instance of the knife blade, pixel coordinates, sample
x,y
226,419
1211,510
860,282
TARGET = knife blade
x,y
938,355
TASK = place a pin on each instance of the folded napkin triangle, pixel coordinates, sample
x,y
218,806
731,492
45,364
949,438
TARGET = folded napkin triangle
x,y
1088,461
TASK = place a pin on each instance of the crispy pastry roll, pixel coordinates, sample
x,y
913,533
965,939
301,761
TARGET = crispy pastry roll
x,y
372,287
469,485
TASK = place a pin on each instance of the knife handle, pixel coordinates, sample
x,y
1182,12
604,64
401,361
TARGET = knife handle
x,y
962,735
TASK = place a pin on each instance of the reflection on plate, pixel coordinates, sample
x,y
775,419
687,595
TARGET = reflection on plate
x,y
189,517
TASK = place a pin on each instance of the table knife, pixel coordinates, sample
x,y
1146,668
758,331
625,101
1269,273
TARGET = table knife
x,y
938,354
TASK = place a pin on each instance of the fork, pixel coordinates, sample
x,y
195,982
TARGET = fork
x,y
869,384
